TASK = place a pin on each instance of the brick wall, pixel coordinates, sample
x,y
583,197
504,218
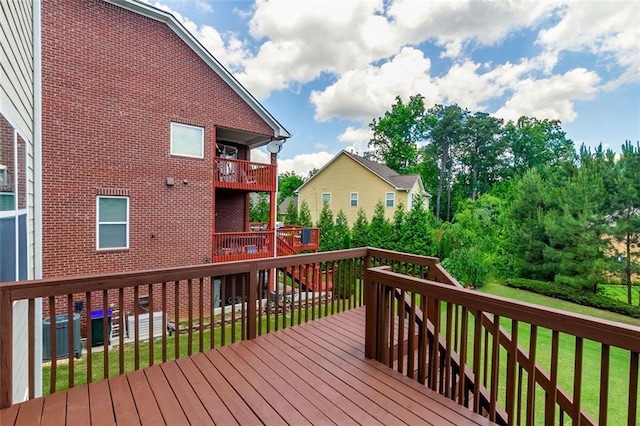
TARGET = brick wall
x,y
113,81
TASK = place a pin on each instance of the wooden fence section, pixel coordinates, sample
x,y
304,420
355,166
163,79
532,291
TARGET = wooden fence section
x,y
233,246
457,345
184,310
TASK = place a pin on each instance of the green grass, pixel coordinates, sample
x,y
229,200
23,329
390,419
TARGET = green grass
x,y
619,292
619,359
80,366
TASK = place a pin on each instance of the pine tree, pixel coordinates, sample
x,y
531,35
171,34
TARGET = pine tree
x,y
342,232
291,216
360,230
304,218
327,229
380,228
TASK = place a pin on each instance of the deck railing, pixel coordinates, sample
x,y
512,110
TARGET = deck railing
x,y
419,321
454,341
300,239
244,175
231,246
171,313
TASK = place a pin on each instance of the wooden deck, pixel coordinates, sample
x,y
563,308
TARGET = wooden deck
x,y
313,373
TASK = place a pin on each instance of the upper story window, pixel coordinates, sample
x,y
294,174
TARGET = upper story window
x,y
390,199
187,140
113,222
354,199
326,198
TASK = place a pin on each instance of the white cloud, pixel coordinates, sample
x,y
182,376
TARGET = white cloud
x,y
358,138
366,93
551,98
302,164
320,146
204,6
608,29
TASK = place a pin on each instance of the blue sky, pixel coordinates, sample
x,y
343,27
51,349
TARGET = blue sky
x,y
325,69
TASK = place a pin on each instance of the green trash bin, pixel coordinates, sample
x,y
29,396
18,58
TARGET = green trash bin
x,y
97,330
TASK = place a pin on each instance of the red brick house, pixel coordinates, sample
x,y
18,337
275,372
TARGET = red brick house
x,y
146,144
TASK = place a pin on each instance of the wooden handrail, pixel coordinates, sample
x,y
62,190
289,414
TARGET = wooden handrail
x,y
487,309
185,293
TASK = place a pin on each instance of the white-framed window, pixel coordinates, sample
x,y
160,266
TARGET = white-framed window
x,y
354,199
326,198
187,141
390,199
112,230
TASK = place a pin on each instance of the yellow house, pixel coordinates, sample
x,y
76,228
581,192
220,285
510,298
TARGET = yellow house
x,y
350,182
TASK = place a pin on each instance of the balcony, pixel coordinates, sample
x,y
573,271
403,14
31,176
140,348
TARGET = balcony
x,y
396,340
232,246
244,175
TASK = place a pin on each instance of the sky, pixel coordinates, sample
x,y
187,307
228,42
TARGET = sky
x,y
326,69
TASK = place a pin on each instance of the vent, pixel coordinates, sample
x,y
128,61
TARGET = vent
x,y
143,324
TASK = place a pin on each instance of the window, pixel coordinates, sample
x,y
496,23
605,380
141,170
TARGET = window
x,y
187,140
326,198
354,199
113,222
390,199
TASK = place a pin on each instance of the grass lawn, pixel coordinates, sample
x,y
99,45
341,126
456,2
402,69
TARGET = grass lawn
x,y
619,292
98,373
619,360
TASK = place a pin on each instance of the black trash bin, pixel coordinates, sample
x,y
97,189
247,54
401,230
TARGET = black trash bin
x,y
97,331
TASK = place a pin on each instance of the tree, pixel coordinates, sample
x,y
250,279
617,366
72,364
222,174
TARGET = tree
x,y
482,153
535,143
259,209
327,229
304,218
379,228
398,228
342,232
291,215
624,211
360,230
445,129
417,229
288,182
397,133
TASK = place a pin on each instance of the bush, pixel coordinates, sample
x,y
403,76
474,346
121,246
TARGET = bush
x,y
572,295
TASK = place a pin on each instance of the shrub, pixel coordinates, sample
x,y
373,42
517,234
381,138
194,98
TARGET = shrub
x,y
572,295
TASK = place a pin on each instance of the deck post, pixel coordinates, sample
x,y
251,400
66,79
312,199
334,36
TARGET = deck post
x,y
371,319
251,302
6,349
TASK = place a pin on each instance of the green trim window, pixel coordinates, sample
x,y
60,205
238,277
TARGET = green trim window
x,y
113,223
187,141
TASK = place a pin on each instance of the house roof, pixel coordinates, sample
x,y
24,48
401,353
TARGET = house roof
x,y
160,15
398,181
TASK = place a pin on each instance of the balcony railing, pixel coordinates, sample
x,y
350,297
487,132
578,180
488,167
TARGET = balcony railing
x,y
231,246
244,175
297,239
419,321
485,352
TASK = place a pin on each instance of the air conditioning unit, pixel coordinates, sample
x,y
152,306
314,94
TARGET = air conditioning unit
x,y
4,175
143,325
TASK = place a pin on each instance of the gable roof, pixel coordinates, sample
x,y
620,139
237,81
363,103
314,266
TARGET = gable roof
x,y
152,12
398,181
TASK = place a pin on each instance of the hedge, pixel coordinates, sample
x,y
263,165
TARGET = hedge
x,y
570,294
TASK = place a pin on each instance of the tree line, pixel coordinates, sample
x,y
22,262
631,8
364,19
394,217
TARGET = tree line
x,y
512,199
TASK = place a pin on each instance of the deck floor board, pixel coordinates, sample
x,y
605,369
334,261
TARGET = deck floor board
x,y
314,373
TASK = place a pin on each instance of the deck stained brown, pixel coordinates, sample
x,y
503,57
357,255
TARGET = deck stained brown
x,y
314,373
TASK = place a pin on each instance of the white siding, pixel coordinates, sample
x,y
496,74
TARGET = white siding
x,y
17,88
